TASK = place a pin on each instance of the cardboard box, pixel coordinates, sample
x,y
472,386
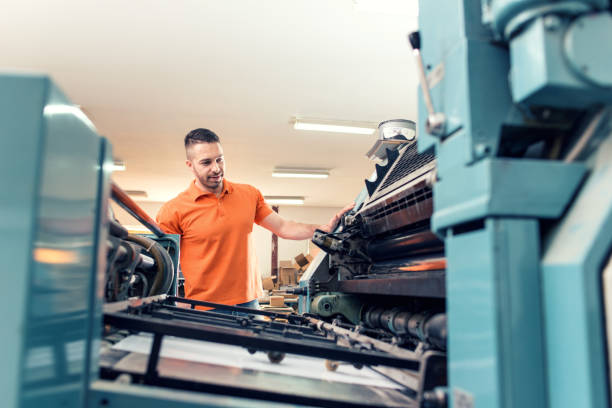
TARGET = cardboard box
x,y
285,264
301,260
277,301
267,283
287,276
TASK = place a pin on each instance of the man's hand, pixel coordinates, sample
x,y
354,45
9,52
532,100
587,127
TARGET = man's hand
x,y
331,225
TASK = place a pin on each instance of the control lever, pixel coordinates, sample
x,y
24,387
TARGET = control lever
x,y
436,121
330,243
297,291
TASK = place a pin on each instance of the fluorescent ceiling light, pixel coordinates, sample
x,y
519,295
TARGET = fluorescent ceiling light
x,y
137,193
301,173
272,200
118,165
339,126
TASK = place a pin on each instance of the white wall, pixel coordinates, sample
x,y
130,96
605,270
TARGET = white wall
x,y
262,238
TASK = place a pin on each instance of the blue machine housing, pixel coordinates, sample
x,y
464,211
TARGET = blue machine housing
x,y
524,296
573,258
54,220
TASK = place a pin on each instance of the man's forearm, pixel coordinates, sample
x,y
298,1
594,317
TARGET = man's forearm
x,y
297,230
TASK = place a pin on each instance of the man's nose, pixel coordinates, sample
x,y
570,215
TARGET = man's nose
x,y
216,167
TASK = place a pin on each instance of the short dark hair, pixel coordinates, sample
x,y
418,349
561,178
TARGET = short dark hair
x,y
200,136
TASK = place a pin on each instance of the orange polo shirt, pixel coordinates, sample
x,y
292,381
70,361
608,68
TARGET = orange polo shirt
x,y
217,255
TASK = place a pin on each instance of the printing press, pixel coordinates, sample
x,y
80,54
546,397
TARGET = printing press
x,y
360,329
103,325
474,271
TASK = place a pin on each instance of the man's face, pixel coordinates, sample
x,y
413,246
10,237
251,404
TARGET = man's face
x,y
208,165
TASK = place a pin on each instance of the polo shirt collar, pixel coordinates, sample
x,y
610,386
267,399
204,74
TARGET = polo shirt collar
x,y
195,192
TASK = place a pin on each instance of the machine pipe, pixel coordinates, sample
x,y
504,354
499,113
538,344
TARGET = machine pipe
x,y
134,209
145,262
118,230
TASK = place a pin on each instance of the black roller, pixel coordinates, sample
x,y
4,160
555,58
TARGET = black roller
x,y
436,330
403,245
427,326
371,317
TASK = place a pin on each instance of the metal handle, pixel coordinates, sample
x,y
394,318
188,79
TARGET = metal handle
x,y
436,121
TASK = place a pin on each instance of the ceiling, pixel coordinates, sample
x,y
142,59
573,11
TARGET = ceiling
x,y
148,71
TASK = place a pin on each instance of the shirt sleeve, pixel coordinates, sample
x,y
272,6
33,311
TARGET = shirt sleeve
x,y
168,220
263,209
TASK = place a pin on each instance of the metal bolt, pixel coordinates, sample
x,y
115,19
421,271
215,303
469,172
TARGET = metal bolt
x,y
481,150
552,22
124,379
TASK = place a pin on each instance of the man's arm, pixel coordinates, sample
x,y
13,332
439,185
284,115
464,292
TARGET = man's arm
x,y
168,221
296,230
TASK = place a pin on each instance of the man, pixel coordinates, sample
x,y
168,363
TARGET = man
x,y
214,218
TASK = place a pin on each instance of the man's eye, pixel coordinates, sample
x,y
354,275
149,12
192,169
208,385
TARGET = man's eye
x,y
206,163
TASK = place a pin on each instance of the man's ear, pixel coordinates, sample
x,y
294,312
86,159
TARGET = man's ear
x,y
189,164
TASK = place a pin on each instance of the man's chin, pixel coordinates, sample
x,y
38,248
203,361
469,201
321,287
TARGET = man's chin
x,y
214,183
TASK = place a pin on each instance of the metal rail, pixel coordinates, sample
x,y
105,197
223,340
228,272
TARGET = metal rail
x,y
129,205
245,310
297,338
302,335
250,340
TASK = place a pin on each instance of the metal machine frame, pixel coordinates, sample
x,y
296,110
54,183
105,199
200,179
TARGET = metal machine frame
x,y
301,335
521,197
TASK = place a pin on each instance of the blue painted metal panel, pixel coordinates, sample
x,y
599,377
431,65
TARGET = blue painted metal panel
x,y
571,275
63,257
590,60
96,289
53,216
21,102
493,303
474,80
505,187
540,73
493,281
500,12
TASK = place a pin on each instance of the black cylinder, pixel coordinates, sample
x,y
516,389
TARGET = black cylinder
x,y
427,326
402,245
